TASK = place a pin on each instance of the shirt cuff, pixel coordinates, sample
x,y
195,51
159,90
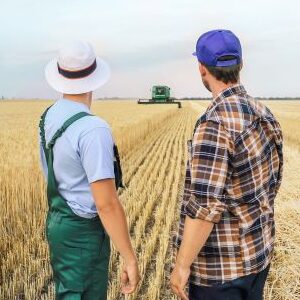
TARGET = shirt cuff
x,y
211,213
96,177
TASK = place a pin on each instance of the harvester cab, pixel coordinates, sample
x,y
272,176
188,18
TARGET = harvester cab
x,y
161,94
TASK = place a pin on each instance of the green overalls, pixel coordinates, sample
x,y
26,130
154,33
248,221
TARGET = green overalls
x,y
79,247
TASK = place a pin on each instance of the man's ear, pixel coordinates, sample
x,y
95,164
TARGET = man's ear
x,y
202,70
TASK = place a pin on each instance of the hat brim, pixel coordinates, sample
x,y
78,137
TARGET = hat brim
x,y
77,86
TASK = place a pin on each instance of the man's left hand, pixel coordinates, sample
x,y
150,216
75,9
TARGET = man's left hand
x,y
179,279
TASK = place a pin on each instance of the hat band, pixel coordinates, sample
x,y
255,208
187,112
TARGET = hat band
x,y
78,74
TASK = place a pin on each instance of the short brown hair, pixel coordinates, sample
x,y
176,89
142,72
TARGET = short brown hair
x,y
229,74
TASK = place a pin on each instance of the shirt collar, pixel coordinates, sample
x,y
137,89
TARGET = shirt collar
x,y
237,89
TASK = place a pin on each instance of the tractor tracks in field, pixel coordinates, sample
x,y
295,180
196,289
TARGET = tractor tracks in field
x,y
145,146
152,202
166,215
147,167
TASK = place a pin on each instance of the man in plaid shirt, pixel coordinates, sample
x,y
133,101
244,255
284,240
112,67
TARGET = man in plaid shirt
x,y
226,232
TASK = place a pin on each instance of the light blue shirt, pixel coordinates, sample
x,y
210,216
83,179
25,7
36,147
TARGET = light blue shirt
x,y
82,155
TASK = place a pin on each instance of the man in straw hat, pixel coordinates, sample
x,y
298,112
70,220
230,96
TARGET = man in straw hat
x,y
79,159
226,234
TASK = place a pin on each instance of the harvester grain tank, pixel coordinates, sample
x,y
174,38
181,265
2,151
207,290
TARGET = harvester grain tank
x,y
161,94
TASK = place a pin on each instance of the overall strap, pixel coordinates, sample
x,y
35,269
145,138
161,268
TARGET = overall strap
x,y
52,189
42,130
67,123
48,150
118,169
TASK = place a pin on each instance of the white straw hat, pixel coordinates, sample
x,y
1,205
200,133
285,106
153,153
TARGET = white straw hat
x,y
77,70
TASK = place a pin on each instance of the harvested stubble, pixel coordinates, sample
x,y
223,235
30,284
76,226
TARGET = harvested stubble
x,y
152,141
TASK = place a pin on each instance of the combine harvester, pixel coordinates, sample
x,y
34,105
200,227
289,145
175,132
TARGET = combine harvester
x,y
160,95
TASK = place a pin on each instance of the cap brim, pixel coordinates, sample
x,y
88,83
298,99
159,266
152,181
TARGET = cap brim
x,y
77,86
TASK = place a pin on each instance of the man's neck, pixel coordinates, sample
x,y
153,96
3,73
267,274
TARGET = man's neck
x,y
85,99
219,87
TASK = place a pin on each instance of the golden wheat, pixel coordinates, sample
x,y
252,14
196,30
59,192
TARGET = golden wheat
x,y
152,141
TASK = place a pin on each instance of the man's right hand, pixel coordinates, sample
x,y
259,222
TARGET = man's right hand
x,y
130,277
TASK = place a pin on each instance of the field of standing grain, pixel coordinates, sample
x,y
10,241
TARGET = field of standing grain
x,y
152,142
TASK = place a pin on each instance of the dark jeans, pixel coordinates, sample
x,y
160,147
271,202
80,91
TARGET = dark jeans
x,y
249,287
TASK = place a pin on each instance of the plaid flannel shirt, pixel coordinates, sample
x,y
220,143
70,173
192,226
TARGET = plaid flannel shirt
x,y
233,174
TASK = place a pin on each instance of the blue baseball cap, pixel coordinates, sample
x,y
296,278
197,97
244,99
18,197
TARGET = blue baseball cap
x,y
213,47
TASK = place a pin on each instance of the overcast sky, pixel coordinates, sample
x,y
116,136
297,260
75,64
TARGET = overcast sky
x,y
149,42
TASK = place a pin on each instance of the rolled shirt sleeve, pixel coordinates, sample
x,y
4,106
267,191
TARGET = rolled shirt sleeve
x,y
211,148
96,154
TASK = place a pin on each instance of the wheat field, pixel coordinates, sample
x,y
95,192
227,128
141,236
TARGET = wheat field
x,y
152,143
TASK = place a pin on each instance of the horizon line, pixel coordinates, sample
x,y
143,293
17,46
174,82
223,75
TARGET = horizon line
x,y
136,98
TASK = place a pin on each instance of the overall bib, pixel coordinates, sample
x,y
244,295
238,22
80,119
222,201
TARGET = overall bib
x,y
79,247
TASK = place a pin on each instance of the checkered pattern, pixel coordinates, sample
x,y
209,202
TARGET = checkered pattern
x,y
233,174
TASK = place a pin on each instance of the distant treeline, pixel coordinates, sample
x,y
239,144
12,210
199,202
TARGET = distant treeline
x,y
181,99
259,98
204,98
